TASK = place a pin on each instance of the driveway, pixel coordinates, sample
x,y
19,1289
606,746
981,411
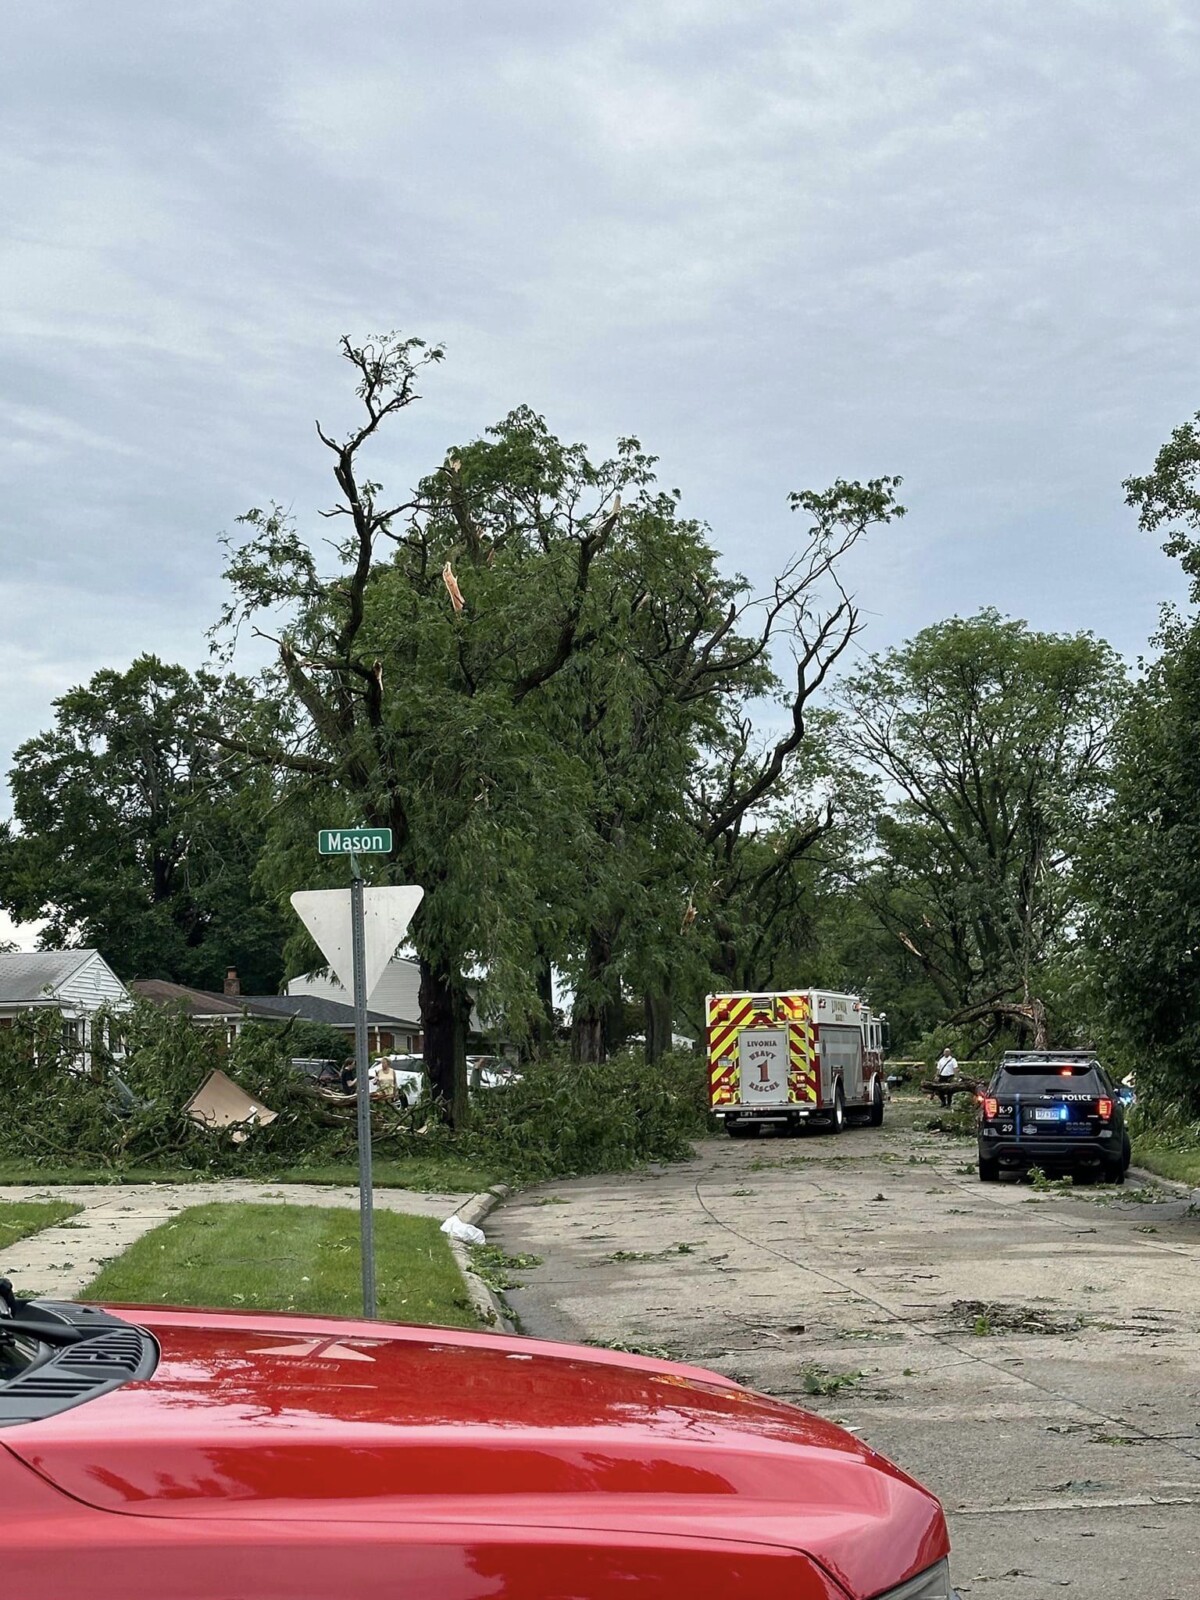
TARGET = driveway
x,y
58,1262
1031,1356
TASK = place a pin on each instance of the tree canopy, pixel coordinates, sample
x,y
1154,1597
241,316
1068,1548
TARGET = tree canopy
x,y
525,666
1145,862
991,742
618,766
139,834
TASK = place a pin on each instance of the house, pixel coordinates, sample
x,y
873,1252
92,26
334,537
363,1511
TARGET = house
x,y
398,992
76,984
385,1034
231,1010
202,1007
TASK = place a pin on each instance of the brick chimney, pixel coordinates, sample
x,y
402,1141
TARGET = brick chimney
x,y
232,982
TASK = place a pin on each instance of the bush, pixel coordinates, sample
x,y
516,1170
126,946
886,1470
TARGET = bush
x,y
565,1117
124,1109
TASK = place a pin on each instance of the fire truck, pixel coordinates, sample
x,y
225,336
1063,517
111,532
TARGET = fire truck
x,y
807,1056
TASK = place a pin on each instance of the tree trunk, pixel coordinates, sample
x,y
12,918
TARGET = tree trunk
x,y
445,1018
659,1016
545,1025
616,1030
725,961
587,1037
589,1021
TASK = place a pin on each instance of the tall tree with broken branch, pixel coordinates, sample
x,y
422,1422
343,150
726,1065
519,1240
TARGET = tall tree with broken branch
x,y
409,661
761,804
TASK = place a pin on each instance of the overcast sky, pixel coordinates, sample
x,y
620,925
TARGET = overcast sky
x,y
779,240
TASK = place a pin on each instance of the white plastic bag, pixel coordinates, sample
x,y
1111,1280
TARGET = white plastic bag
x,y
458,1229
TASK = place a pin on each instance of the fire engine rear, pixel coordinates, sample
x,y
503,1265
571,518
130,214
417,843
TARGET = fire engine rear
x,y
792,1058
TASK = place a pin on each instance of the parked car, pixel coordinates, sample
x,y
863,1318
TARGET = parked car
x,y
319,1069
408,1078
1057,1110
490,1072
155,1454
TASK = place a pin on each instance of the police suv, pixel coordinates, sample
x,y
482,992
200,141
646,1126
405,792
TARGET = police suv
x,y
1054,1110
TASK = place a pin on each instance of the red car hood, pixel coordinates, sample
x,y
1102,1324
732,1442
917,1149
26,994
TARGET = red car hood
x,y
297,1418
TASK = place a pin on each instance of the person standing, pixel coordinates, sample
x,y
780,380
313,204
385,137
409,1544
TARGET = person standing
x,y
947,1071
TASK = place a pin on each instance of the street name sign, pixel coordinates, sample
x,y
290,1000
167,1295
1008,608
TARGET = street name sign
x,y
354,841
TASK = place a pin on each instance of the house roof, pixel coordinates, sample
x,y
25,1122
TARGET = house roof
x,y
398,992
314,1008
272,1007
25,976
197,1002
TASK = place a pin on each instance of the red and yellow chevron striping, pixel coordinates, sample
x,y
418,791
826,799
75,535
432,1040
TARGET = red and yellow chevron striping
x,y
728,1015
802,1074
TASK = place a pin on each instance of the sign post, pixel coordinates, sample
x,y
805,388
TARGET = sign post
x,y
362,1074
358,932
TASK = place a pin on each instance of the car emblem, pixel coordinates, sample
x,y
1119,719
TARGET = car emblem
x,y
315,1350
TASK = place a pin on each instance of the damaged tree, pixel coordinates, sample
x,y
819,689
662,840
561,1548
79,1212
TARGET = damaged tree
x,y
401,680
683,793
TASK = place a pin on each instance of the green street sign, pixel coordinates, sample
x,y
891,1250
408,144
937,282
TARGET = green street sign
x,y
356,841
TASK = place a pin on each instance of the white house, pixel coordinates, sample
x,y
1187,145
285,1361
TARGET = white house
x,y
75,983
397,995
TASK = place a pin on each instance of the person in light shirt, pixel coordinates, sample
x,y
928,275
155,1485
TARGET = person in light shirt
x,y
383,1079
947,1071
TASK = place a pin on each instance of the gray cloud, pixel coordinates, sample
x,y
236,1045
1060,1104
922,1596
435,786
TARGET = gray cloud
x,y
780,241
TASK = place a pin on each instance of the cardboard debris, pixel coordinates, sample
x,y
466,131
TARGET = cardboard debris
x,y
220,1103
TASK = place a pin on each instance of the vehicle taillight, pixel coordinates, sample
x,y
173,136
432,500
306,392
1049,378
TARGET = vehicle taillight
x,y
1104,1109
991,1108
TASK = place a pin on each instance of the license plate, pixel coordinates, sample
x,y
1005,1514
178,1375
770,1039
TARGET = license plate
x,y
1050,1114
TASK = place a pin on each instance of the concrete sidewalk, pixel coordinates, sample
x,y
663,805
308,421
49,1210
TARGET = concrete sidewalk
x,y
58,1262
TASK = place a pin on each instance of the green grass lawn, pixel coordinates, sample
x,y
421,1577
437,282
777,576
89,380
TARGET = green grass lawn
x,y
20,1218
290,1258
1169,1161
418,1172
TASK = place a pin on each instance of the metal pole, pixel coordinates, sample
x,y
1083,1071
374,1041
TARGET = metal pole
x,y
366,1212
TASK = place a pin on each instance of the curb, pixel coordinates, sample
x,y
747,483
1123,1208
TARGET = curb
x,y
1146,1176
488,1305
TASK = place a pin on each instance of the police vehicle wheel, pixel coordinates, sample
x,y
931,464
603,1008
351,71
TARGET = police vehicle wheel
x,y
875,1119
989,1170
1126,1152
1116,1173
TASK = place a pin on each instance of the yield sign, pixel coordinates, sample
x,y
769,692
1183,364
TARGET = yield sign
x,y
387,913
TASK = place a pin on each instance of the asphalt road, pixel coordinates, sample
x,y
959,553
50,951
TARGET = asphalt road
x,y
1034,1357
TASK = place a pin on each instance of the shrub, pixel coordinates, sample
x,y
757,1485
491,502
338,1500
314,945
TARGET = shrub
x,y
564,1117
124,1108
